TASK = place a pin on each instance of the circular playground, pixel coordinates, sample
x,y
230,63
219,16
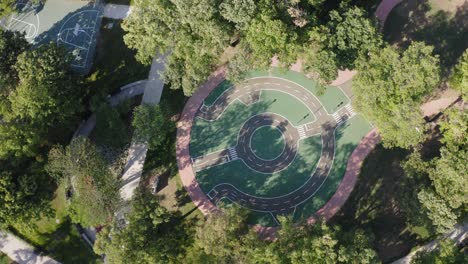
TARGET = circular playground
x,y
272,143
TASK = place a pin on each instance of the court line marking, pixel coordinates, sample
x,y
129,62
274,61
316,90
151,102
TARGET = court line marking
x,y
305,200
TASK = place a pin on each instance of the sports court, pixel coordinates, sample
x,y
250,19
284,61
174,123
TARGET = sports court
x,y
73,24
273,144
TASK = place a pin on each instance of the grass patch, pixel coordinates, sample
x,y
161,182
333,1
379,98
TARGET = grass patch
x,y
374,206
56,235
4,259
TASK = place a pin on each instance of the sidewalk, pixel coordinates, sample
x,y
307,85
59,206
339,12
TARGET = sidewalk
x,y
137,152
20,251
115,11
458,234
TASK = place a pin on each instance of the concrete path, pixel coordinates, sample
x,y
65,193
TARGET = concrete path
x,y
137,152
115,11
458,234
384,9
20,251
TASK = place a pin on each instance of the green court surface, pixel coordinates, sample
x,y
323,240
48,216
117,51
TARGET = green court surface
x,y
210,136
267,142
71,24
261,184
332,98
348,136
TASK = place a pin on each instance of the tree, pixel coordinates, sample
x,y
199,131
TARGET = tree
x,y
221,234
351,34
268,37
95,189
6,7
110,128
193,31
152,124
24,194
240,12
390,87
11,45
446,253
441,183
459,77
151,235
337,45
43,106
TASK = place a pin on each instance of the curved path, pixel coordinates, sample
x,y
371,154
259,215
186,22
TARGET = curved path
x,y
290,135
248,93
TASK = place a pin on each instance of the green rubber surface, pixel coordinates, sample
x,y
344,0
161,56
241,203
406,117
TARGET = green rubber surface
x,y
267,142
210,136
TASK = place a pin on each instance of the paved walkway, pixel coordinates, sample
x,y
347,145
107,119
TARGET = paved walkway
x,y
20,251
458,234
137,152
384,9
115,11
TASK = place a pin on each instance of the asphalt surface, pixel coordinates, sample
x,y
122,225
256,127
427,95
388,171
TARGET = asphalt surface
x,y
248,93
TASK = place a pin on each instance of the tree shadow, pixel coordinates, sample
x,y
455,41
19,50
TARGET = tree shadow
x,y
447,32
374,204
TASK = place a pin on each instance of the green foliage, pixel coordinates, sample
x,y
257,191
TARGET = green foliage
x,y
153,125
44,104
225,238
95,189
441,183
390,87
268,37
23,194
194,33
338,44
446,253
110,129
240,12
459,78
351,34
151,235
11,45
7,7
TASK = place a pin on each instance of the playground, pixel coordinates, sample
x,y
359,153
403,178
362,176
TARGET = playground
x,y
71,24
273,144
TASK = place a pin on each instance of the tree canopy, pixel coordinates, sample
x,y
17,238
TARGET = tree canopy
x,y
151,234
440,184
459,78
390,87
43,105
95,190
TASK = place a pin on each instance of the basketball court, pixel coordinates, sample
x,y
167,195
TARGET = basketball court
x,y
71,24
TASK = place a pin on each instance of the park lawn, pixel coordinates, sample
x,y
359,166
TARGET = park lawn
x,y
439,23
373,205
114,64
56,236
347,137
210,136
4,259
261,184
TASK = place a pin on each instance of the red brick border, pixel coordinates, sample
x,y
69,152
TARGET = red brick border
x,y
184,129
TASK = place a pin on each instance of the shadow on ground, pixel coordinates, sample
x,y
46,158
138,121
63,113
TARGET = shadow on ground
x,y
416,21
